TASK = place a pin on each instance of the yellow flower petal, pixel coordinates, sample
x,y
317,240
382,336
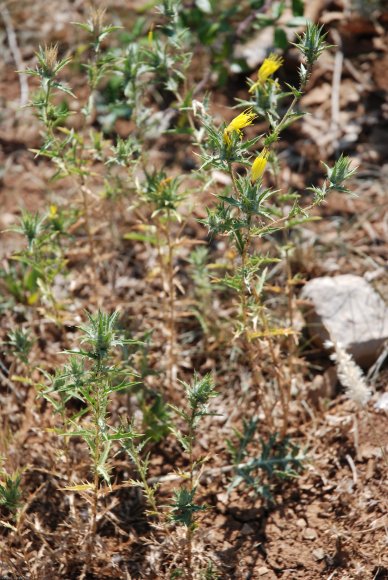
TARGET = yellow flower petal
x,y
227,139
242,120
269,66
259,165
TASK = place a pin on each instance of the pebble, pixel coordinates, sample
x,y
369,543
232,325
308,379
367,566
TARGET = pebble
x,y
319,554
246,530
347,309
309,534
382,402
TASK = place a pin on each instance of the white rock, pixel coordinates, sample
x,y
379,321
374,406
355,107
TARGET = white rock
x,y
382,403
347,309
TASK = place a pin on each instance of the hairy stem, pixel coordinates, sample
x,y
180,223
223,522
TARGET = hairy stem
x,y
89,234
189,533
96,481
171,290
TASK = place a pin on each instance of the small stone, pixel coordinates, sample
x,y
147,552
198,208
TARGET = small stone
x,y
223,498
319,554
262,571
382,403
309,534
368,451
301,523
219,521
349,311
247,529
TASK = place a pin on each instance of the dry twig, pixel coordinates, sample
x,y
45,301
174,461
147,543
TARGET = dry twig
x,y
17,56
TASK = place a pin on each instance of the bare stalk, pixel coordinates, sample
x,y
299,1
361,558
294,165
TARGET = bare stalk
x,y
89,233
96,480
189,530
171,304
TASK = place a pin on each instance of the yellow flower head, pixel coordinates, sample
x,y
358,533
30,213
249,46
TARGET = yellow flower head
x,y
269,66
150,35
53,210
259,165
242,120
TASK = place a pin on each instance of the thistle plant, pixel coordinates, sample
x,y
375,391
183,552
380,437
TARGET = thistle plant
x,y
163,196
100,62
47,70
43,255
166,55
147,68
10,491
161,58
141,461
278,459
70,150
184,507
64,147
245,214
18,346
20,342
92,377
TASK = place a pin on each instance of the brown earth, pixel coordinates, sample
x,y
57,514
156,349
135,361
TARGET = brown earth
x,y
330,521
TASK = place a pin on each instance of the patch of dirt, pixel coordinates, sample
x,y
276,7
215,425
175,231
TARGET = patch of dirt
x,y
328,522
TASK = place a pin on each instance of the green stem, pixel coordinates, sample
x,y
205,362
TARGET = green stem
x,y
171,289
189,533
96,458
274,136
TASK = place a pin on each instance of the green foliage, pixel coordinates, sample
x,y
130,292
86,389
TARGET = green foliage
x,y
21,343
10,492
92,377
247,210
96,29
130,81
217,154
31,226
210,572
311,43
41,261
184,508
278,459
141,462
47,70
198,394
265,101
156,417
162,193
340,173
125,152
100,63
336,177
64,385
20,282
